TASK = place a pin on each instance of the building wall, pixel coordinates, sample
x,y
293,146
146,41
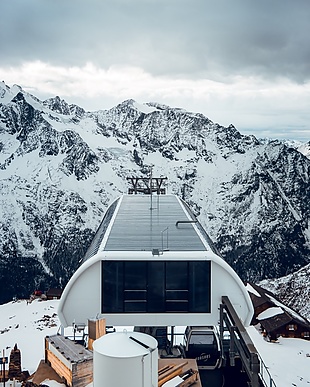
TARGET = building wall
x,y
81,298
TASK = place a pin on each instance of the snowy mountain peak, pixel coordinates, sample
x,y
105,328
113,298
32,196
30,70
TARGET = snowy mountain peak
x,y
7,93
61,167
161,106
16,89
150,107
57,105
304,149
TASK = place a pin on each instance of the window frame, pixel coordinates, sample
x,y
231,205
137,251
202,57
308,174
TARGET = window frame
x,y
175,293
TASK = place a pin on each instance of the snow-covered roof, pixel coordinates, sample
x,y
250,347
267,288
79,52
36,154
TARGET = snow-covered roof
x,y
275,308
270,312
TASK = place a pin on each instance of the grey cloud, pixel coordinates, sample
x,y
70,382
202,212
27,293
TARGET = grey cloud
x,y
196,38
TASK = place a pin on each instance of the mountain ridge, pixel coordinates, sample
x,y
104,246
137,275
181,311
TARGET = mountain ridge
x,y
286,288
60,167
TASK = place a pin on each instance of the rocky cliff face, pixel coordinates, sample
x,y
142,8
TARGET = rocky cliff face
x,y
60,167
292,290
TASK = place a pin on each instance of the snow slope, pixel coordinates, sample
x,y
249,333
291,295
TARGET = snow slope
x,y
26,324
288,360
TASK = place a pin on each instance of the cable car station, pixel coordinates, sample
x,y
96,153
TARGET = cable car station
x,y
151,264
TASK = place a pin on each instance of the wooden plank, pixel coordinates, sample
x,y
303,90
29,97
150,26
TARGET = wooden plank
x,y
90,344
82,374
165,369
192,364
96,328
170,373
59,367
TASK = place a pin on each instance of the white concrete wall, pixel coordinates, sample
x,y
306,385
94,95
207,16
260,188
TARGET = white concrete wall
x,y
81,298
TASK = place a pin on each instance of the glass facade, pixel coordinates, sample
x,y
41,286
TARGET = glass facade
x,y
156,287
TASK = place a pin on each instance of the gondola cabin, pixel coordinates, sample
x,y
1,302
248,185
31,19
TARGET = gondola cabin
x,y
203,344
152,264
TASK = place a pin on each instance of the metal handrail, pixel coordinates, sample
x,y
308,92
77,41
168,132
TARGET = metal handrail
x,y
240,339
271,382
254,364
185,221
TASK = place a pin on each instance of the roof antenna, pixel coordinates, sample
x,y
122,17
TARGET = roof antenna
x,y
151,188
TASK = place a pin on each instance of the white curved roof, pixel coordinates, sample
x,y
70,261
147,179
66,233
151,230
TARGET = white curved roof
x,y
136,228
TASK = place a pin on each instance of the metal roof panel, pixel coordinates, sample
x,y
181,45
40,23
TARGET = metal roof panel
x,y
147,222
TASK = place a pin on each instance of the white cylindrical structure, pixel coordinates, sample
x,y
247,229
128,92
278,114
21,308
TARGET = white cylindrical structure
x,y
125,359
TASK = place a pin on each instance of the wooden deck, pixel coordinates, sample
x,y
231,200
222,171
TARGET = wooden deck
x,y
190,364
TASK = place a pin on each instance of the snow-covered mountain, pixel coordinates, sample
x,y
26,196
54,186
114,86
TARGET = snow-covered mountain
x,y
292,290
61,166
303,148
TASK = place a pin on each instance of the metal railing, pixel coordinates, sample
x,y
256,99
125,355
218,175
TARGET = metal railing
x,y
265,375
241,343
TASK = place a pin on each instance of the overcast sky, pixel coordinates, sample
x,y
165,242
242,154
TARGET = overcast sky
x,y
245,62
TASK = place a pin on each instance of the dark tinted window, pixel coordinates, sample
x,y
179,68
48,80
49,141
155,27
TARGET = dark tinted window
x,y
135,275
199,286
156,286
112,295
176,275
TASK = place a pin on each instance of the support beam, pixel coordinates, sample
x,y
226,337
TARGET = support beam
x,y
240,342
147,185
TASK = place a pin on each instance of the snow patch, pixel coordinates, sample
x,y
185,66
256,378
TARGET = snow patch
x,y
270,312
52,383
252,290
143,108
